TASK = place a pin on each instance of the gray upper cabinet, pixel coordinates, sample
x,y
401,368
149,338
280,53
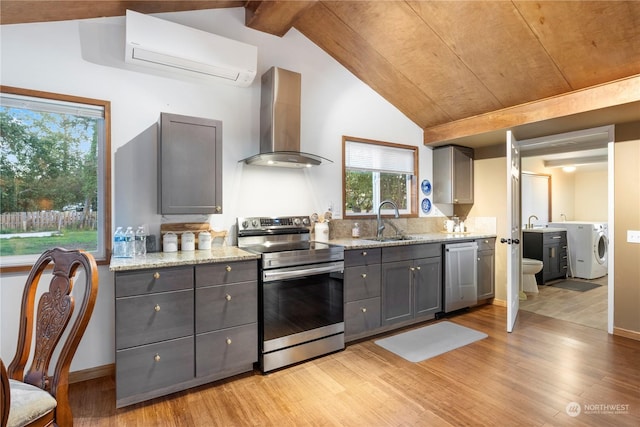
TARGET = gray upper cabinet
x,y
189,165
453,175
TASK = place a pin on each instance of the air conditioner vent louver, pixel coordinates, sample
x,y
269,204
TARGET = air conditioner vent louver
x,y
167,46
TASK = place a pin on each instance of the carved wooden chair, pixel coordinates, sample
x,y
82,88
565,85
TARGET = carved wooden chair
x,y
4,395
37,398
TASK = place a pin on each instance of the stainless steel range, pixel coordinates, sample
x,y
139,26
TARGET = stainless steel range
x,y
301,312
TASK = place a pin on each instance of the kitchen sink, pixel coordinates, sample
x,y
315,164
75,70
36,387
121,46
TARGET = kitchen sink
x,y
390,239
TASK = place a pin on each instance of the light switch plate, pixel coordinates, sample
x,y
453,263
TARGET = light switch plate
x,y
633,236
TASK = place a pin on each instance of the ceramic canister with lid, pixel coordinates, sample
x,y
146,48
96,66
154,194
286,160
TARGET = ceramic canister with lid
x,y
188,241
204,240
170,242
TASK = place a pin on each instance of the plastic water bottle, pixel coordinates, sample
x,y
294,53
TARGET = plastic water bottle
x,y
141,241
118,243
129,241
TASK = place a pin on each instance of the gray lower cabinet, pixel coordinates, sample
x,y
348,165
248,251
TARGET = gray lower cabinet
x,y
361,292
226,319
411,282
486,268
179,327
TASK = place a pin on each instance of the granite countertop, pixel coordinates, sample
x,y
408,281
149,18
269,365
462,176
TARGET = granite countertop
x,y
352,243
544,230
233,253
170,259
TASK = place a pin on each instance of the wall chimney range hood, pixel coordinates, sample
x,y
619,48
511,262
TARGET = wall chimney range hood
x,y
280,122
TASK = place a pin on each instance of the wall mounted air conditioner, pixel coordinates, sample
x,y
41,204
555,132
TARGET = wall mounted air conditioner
x,y
164,45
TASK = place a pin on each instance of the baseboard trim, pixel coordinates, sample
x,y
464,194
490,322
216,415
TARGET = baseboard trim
x,y
499,302
92,373
634,335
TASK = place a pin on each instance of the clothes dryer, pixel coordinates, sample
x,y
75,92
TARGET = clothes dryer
x,y
587,248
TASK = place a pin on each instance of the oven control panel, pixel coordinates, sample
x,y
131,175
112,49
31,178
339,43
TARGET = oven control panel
x,y
271,223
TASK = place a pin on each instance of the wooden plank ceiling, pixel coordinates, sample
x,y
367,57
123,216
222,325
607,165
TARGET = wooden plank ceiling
x,y
451,67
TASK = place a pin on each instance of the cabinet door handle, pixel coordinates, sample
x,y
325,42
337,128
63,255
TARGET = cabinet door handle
x,y
556,237
157,307
228,268
364,253
552,252
227,297
364,309
411,268
228,341
418,268
156,357
364,275
156,275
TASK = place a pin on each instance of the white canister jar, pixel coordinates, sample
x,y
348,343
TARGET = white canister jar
x,y
188,241
204,240
322,231
170,242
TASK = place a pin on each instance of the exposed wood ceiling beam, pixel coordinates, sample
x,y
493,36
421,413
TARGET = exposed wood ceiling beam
x,y
620,94
27,11
274,17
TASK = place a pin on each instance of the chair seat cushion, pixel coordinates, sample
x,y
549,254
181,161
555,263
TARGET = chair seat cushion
x,y
28,403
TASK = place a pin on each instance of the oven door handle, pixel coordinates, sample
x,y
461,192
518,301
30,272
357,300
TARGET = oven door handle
x,y
282,274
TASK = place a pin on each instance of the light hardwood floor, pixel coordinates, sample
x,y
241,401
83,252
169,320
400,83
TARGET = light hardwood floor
x,y
525,378
585,308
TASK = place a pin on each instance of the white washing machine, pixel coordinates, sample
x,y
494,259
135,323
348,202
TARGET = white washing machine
x,y
588,248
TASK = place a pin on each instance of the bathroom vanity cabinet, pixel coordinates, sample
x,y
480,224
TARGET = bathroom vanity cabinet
x,y
550,247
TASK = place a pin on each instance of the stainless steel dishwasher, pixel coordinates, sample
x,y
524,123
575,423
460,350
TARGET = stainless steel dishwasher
x,y
460,276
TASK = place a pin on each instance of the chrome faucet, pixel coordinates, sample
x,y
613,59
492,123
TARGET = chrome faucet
x,y
380,223
531,216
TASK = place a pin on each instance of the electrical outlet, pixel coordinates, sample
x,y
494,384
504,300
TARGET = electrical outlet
x,y
633,236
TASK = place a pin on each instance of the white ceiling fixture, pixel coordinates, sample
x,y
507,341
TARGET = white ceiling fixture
x,y
162,45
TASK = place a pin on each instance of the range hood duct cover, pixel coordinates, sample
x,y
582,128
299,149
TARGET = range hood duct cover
x,y
280,122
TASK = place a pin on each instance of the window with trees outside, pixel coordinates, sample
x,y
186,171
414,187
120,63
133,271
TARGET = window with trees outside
x,y
374,171
54,176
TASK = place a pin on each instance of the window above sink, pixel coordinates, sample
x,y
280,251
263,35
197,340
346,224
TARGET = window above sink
x,y
374,171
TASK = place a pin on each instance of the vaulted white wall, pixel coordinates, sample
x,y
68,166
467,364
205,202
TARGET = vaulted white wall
x,y
86,58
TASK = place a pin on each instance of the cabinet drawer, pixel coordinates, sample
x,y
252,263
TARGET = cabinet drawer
x,y
151,318
141,282
402,253
226,272
361,282
361,257
151,367
226,349
361,316
225,306
560,236
486,244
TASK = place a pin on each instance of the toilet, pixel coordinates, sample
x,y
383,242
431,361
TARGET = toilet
x,y
529,269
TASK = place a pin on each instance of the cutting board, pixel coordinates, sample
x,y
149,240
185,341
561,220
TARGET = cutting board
x,y
217,237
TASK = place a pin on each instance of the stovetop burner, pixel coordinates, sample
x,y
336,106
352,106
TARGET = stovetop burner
x,y
284,241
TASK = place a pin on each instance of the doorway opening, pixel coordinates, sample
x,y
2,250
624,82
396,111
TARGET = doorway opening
x,y
584,195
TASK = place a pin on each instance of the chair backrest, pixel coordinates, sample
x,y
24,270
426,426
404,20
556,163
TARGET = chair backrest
x,y
5,397
52,322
